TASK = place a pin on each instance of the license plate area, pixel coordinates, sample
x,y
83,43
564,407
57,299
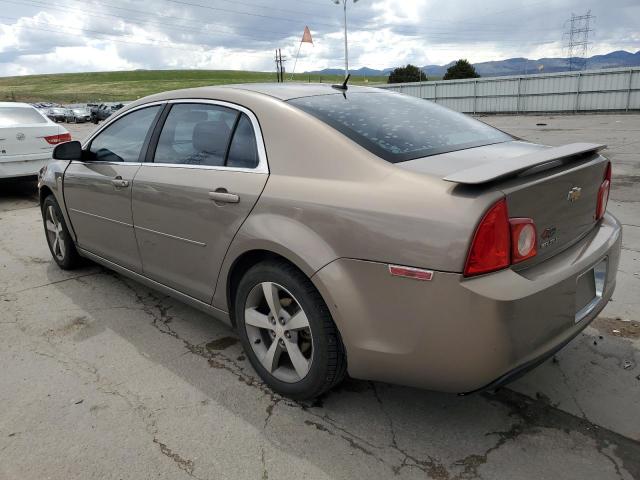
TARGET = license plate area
x,y
589,289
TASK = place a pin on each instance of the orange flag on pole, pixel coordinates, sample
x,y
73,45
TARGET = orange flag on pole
x,y
306,36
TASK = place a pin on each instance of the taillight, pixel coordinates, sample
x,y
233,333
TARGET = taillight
x,y
500,241
523,239
603,193
490,248
56,139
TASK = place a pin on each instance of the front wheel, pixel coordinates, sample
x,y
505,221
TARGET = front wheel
x,y
287,331
60,243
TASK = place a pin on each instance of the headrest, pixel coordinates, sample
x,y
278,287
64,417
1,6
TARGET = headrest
x,y
211,137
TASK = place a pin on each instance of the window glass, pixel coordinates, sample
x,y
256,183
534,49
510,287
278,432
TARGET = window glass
x,y
398,127
196,134
10,116
243,152
122,141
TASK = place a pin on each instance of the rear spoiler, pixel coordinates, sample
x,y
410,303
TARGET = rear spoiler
x,y
512,166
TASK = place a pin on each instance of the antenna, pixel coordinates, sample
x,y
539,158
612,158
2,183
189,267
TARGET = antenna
x,y
577,40
344,85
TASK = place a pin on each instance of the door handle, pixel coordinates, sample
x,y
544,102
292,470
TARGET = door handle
x,y
119,182
221,195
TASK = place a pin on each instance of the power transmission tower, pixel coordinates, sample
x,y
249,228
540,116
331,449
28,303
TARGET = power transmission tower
x,y
577,40
280,65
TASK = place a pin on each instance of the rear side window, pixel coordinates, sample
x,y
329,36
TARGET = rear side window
x,y
10,116
397,127
196,134
243,152
122,140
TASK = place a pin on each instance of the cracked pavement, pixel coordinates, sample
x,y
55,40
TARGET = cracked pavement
x,y
104,378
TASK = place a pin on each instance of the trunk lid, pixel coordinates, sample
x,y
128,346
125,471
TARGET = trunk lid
x,y
556,187
561,202
27,139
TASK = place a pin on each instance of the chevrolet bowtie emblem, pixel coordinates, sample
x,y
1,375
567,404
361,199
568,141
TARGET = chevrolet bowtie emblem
x,y
574,194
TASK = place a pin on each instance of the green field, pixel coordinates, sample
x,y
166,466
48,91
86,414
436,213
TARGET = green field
x,y
113,86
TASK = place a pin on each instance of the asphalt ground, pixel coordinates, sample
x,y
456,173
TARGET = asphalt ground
x,y
103,378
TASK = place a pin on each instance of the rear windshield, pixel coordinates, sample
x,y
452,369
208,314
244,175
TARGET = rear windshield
x,y
398,127
10,116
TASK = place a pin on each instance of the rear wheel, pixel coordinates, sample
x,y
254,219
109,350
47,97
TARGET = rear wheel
x,y
60,243
287,331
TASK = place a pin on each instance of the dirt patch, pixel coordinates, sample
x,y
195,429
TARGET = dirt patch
x,y
221,343
617,327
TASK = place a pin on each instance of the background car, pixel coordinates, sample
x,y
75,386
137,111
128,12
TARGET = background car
x,y
78,115
57,114
345,230
101,112
27,138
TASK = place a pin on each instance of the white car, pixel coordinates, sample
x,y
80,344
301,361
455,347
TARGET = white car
x,y
27,138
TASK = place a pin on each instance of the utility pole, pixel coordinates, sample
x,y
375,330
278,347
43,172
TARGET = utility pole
x,y
346,43
577,39
280,65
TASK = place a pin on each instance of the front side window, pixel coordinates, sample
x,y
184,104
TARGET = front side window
x,y
398,127
122,140
196,134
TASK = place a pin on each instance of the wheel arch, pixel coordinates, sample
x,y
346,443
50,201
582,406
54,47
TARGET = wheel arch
x,y
241,265
267,234
43,193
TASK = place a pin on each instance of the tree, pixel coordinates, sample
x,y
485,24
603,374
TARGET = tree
x,y
410,73
461,69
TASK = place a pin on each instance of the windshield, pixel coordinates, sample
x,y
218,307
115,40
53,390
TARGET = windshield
x,y
398,127
80,111
19,116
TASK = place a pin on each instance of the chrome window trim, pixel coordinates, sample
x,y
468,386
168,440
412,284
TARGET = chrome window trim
x,y
263,164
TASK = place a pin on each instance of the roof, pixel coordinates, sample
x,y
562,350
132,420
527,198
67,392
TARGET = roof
x,y
287,91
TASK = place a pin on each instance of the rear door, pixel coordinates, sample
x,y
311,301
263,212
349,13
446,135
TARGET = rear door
x,y
97,190
206,173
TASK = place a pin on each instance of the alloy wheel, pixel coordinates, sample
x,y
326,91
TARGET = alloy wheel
x,y
55,233
279,333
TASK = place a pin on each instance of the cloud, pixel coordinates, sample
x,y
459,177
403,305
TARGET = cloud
x,y
242,34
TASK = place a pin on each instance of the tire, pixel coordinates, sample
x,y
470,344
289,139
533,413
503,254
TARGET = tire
x,y
319,342
61,246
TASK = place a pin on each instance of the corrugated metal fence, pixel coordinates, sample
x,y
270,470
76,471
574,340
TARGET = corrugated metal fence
x,y
590,90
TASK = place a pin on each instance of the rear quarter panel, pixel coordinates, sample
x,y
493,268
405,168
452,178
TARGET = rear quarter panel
x,y
328,198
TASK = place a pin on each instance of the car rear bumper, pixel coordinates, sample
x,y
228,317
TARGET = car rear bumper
x,y
461,334
22,165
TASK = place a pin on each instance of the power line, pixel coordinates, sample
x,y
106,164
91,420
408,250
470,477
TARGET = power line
x,y
259,15
577,36
141,21
92,33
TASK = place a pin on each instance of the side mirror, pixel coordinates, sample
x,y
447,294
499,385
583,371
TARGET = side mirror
x,y
68,151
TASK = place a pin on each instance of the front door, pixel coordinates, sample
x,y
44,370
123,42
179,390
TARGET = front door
x,y
208,171
97,191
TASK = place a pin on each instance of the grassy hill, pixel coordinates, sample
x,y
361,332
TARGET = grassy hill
x,y
112,86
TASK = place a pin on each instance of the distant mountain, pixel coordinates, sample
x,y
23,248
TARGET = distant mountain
x,y
515,66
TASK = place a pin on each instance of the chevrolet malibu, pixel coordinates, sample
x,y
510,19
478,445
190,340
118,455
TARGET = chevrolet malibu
x,y
344,231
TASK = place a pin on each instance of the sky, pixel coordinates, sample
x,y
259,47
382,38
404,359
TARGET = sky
x,y
51,36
